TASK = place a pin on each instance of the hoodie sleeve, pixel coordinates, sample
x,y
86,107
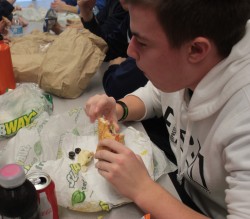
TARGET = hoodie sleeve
x,y
151,97
237,163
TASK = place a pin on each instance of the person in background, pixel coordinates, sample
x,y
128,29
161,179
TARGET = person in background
x,y
72,7
106,24
109,17
112,24
122,76
65,6
6,16
196,55
6,9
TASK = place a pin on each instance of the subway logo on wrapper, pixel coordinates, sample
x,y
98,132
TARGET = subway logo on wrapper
x,y
10,128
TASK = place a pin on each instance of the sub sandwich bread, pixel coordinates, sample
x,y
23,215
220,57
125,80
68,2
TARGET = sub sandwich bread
x,y
106,131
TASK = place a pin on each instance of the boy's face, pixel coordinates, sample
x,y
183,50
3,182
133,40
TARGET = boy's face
x,y
166,67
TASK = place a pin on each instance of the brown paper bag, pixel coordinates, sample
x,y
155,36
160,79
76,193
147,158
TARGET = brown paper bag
x,y
62,65
27,54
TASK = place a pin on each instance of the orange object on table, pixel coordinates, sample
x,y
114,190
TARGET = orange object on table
x,y
147,216
7,78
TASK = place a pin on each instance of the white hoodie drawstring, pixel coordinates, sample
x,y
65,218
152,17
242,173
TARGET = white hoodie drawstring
x,y
182,155
178,145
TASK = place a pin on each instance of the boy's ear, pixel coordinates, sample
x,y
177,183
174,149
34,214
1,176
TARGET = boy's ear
x,y
198,49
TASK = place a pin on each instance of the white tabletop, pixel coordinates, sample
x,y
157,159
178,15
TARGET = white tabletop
x,y
61,105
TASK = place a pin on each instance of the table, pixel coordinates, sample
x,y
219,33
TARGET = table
x,y
61,105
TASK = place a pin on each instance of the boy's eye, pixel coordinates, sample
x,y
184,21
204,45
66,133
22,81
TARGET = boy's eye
x,y
141,44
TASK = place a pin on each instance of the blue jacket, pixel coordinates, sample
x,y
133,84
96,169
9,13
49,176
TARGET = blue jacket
x,y
122,79
125,78
100,4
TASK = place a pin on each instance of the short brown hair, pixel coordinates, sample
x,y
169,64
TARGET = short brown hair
x,y
222,21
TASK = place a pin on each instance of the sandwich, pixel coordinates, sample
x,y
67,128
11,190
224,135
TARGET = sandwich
x,y
106,131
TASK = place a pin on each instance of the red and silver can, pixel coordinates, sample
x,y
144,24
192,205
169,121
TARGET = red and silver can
x,y
45,188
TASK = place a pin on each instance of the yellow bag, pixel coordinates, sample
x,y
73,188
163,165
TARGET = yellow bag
x,y
61,64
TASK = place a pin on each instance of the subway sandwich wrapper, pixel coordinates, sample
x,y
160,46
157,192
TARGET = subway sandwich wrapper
x,y
21,106
63,146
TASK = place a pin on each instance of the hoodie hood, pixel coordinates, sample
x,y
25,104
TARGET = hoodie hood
x,y
214,90
225,79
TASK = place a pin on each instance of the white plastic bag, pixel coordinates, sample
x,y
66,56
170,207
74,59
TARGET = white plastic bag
x,y
21,106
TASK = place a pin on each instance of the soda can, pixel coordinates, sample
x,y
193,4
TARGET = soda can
x,y
45,188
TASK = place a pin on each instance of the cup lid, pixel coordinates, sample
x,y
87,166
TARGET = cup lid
x,y
12,176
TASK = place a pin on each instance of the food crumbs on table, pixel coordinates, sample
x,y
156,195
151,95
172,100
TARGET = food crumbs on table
x,y
72,155
77,150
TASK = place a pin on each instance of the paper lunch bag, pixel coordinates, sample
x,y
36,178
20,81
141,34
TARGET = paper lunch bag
x,y
61,64
27,53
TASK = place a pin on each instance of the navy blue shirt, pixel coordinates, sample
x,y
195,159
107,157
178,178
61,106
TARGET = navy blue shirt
x,y
6,9
120,80
106,24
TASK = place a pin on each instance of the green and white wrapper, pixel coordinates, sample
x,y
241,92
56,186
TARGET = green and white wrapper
x,y
21,106
45,145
